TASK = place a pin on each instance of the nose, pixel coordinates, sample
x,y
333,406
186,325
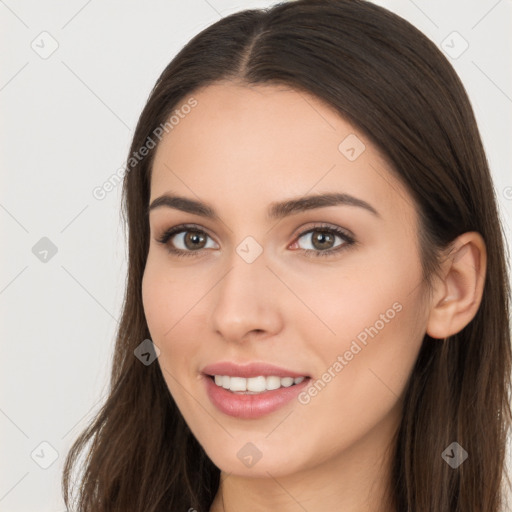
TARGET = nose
x,y
246,301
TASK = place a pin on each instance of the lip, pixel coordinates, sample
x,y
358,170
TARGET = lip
x,y
250,406
243,406
249,370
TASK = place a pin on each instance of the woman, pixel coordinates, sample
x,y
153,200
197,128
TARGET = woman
x,y
316,314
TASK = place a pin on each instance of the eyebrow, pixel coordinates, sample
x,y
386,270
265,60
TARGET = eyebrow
x,y
276,210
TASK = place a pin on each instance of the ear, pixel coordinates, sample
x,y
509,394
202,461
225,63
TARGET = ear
x,y
458,292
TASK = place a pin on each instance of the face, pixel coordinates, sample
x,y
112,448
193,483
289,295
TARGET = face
x,y
262,295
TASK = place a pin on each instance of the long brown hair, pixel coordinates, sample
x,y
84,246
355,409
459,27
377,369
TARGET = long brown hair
x,y
392,82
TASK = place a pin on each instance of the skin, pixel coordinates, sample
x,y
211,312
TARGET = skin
x,y
240,149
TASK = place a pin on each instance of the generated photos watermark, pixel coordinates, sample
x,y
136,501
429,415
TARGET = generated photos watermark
x,y
343,360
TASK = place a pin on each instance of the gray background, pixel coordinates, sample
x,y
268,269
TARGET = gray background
x,y
68,118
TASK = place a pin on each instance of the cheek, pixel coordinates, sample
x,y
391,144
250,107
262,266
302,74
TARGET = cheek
x,y
379,330
374,313
363,381
169,309
156,300
363,295
168,296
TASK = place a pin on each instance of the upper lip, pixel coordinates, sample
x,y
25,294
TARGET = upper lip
x,y
249,370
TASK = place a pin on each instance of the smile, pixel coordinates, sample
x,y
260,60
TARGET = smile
x,y
253,397
255,385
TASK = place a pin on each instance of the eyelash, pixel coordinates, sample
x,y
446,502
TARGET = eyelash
x,y
169,233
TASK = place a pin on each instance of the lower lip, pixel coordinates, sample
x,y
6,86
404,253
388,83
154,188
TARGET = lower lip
x,y
251,406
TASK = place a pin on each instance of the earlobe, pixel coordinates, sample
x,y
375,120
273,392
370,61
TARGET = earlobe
x,y
458,294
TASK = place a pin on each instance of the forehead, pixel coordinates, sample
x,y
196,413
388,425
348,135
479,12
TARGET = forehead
x,y
260,143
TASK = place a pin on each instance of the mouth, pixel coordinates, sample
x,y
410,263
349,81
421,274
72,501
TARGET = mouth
x,y
254,385
251,391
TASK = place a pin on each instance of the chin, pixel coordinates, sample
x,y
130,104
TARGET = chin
x,y
256,458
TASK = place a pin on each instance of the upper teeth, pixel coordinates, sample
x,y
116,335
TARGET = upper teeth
x,y
255,384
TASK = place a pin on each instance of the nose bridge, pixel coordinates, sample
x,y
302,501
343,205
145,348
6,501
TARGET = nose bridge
x,y
246,298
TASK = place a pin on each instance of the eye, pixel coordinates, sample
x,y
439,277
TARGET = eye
x,y
186,240
322,240
191,240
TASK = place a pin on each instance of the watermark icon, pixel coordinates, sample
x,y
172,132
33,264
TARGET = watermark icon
x,y
507,193
454,455
44,455
44,45
351,147
343,360
249,454
454,45
146,352
101,191
249,249
44,250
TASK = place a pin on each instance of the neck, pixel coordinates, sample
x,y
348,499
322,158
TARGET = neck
x,y
357,480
